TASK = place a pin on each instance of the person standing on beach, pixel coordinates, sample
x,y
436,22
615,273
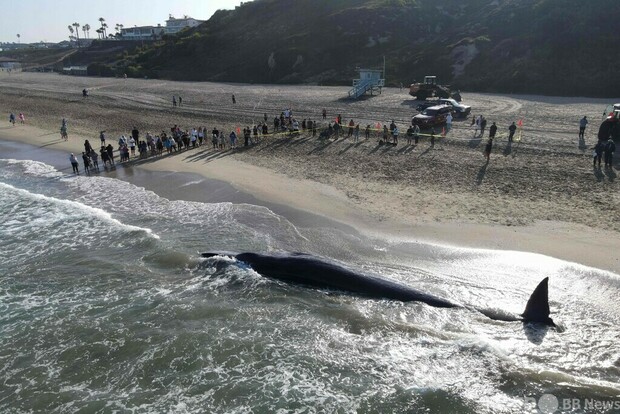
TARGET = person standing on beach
x,y
102,138
487,149
356,134
22,118
104,156
94,158
483,125
174,101
416,134
214,136
351,127
324,114
135,134
180,100
132,146
395,135
432,137
110,150
477,124
597,154
234,100
610,148
12,118
449,122
233,140
74,163
86,159
492,130
582,127
409,134
511,131
87,147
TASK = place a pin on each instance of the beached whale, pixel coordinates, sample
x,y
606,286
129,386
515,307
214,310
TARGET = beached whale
x,y
301,268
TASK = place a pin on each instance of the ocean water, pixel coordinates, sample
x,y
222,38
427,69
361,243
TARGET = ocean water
x,y
106,306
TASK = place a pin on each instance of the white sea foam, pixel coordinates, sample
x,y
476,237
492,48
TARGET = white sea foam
x,y
35,168
69,207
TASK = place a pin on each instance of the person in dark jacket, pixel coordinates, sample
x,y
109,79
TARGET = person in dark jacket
x,y
511,131
110,150
492,130
597,154
487,149
610,148
483,125
86,159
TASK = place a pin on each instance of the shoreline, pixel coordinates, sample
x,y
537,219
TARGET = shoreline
x,y
566,241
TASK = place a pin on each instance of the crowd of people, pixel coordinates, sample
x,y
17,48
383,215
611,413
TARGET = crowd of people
x,y
178,139
286,124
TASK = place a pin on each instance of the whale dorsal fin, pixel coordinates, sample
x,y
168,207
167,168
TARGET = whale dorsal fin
x,y
537,308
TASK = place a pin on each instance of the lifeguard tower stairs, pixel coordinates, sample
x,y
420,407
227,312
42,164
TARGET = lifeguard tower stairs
x,y
370,80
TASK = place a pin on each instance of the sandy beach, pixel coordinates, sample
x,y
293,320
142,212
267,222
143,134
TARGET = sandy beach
x,y
540,194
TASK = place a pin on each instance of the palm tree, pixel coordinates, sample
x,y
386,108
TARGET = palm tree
x,y
86,29
99,33
77,32
119,29
70,31
18,37
103,26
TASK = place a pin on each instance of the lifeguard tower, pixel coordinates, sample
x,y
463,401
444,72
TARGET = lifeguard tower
x,y
370,80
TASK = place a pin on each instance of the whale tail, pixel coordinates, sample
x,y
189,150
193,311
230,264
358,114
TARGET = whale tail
x,y
537,308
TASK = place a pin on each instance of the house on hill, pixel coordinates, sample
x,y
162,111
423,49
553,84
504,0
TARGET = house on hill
x,y
174,25
142,32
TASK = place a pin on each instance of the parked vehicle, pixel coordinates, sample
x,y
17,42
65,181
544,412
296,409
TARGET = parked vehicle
x,y
435,115
459,110
610,128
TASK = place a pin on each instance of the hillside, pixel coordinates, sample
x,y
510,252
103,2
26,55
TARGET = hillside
x,y
559,47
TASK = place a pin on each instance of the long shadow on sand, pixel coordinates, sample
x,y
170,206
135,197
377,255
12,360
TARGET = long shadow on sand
x,y
481,173
321,147
475,141
598,173
610,173
348,147
406,149
284,142
207,155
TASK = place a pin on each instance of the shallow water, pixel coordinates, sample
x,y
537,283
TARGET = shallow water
x,y
105,305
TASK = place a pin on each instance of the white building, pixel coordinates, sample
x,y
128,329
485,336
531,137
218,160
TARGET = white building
x,y
174,25
142,32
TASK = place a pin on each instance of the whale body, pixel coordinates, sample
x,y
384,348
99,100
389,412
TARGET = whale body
x,y
309,270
